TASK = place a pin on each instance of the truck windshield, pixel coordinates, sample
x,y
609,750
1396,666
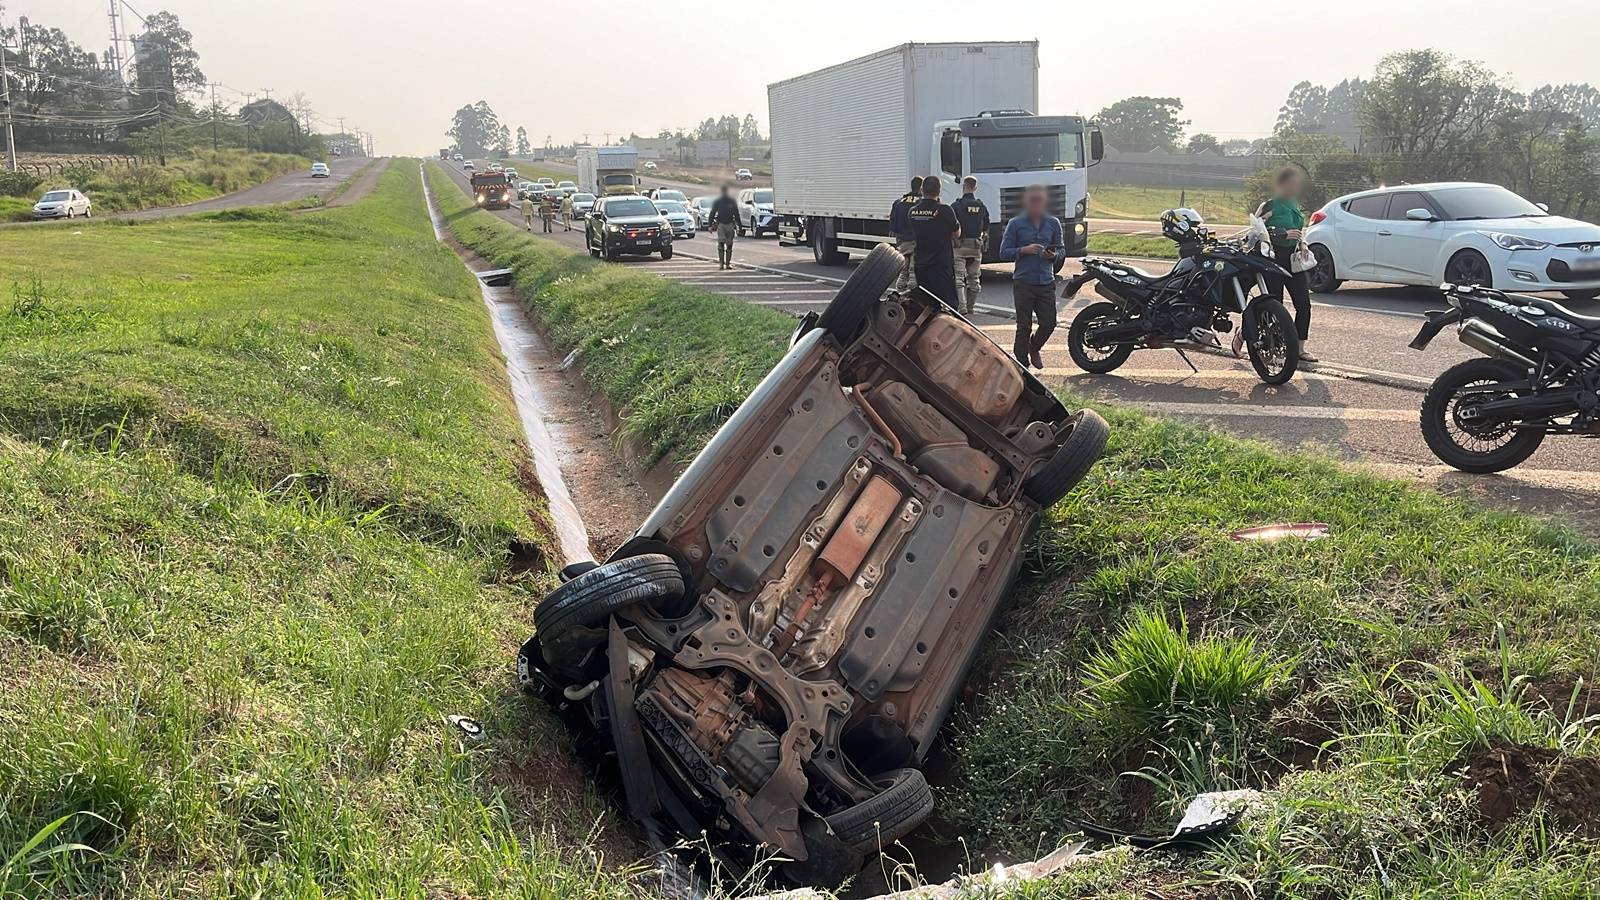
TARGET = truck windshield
x,y
1027,152
617,179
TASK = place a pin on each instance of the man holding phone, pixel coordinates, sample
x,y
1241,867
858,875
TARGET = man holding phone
x,y
1034,240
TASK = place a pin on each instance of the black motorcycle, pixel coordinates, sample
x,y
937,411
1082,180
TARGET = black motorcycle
x,y
1541,375
1212,280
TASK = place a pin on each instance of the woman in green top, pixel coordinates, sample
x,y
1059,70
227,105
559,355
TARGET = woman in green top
x,y
1286,222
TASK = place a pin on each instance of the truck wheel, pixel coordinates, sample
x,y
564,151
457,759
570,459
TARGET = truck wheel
x,y
1071,462
850,309
824,249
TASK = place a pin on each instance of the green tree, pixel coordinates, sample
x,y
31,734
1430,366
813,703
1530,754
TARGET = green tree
x,y
1313,109
1331,167
523,149
1430,116
168,63
1569,103
1201,142
1142,124
475,129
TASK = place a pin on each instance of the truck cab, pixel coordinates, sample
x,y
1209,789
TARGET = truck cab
x,y
1007,150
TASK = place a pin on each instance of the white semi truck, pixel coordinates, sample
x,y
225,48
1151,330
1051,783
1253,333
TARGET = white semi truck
x,y
608,170
847,139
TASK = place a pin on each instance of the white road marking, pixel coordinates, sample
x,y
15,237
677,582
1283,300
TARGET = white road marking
x,y
1276,412
798,291
766,280
1180,374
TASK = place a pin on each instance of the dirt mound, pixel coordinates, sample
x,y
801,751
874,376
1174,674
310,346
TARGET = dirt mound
x,y
1512,779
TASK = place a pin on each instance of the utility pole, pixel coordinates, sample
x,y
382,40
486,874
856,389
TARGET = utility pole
x,y
344,141
268,92
5,101
213,117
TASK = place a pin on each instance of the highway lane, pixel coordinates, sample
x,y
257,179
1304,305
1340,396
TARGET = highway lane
x,y
283,189
1359,404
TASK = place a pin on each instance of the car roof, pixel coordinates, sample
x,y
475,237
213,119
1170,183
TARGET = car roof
x,y
1428,187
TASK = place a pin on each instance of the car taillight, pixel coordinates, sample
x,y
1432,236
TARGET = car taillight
x,y
1318,216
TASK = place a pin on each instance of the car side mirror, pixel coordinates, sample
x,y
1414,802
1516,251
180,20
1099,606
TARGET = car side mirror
x,y
1543,207
1420,215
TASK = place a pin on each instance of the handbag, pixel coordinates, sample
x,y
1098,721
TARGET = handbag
x,y
1303,260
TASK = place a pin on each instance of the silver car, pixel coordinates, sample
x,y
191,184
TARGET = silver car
x,y
63,204
678,216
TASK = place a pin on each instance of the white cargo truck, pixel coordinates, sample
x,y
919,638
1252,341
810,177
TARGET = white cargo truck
x,y
608,170
847,139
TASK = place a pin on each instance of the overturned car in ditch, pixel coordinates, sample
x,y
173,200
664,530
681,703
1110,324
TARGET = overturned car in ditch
x,y
772,654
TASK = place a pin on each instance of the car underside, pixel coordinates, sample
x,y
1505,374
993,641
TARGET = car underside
x,y
773,652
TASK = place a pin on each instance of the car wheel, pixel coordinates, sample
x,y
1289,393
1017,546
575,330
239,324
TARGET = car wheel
x,y
566,619
1469,267
70,213
666,252
593,250
1071,461
1581,295
847,313
1455,438
1324,278
905,802
740,228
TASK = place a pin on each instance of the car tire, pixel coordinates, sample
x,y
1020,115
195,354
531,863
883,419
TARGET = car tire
x,y
666,252
590,598
1071,462
1469,267
1078,349
71,214
905,802
1436,411
1581,295
850,309
1324,278
739,227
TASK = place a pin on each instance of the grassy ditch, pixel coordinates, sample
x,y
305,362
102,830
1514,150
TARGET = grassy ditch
x,y
1131,245
1412,696
259,476
199,176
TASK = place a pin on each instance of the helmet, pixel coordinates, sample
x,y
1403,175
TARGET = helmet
x,y
1182,224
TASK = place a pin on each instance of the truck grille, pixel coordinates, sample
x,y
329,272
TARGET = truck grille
x,y
1011,202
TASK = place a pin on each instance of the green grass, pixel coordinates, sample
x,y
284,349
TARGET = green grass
x,y
1126,201
1149,656
259,474
1131,245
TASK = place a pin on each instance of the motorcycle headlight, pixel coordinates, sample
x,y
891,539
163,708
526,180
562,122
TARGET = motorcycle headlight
x,y
1516,242
1265,248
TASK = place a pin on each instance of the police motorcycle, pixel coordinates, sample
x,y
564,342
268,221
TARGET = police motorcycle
x,y
1539,375
1212,281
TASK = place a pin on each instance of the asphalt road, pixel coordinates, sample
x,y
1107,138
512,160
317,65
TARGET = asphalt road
x,y
283,189
1360,403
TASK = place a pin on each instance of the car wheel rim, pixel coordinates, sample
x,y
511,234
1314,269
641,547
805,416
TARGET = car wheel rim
x,y
1470,270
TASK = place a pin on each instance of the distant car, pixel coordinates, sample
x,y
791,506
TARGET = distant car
x,y
700,207
582,203
1455,232
755,212
524,187
744,175
468,166
678,216
568,187
627,224
547,180
320,170
63,204
457,157
536,193
650,165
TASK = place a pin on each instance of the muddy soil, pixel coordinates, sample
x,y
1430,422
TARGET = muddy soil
x,y
1512,780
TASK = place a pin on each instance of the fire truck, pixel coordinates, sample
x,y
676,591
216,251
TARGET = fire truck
x,y
493,190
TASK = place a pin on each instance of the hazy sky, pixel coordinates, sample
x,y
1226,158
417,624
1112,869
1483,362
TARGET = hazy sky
x,y
399,68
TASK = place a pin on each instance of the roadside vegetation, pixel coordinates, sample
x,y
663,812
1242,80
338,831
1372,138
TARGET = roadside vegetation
x,y
260,475
1131,245
202,175
1128,201
1412,696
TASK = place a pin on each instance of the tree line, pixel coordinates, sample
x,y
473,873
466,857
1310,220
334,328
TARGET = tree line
x,y
1422,115
64,98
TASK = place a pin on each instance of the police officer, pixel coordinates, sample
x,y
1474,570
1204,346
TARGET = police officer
x,y
935,229
905,239
725,218
973,217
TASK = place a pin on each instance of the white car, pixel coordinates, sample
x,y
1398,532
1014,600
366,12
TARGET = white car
x,y
743,175
666,194
568,187
582,204
650,165
320,170
700,207
1456,232
64,204
547,181
678,216
755,212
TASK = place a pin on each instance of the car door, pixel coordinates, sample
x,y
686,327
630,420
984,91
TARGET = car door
x,y
747,207
1405,249
1358,234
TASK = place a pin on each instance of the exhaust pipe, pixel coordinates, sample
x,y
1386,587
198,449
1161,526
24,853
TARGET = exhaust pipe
x,y
1486,339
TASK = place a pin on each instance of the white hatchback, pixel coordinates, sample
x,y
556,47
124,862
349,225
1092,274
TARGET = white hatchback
x,y
320,170
65,204
1456,232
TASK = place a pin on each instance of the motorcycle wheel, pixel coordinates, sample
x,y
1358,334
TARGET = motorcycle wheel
x,y
1273,343
1097,360
1472,447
